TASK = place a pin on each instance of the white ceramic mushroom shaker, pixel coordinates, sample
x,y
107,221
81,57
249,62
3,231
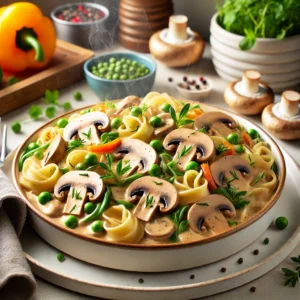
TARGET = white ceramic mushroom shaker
x,y
249,96
283,119
178,45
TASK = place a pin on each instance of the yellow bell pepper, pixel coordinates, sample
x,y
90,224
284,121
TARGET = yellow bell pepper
x,y
28,38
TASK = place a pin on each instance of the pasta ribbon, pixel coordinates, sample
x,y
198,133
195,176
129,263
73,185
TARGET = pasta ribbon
x,y
121,226
191,187
38,178
264,152
47,135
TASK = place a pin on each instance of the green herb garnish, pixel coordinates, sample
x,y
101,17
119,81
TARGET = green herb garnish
x,y
88,134
75,144
274,168
184,152
110,104
76,194
234,177
292,276
149,200
51,97
221,148
180,221
203,204
232,223
181,120
109,136
252,163
72,208
258,178
127,204
158,183
84,174
203,130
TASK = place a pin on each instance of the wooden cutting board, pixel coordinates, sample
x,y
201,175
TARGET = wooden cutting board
x,y
64,69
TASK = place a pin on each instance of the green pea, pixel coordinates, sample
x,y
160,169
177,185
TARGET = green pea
x,y
132,77
155,121
128,61
16,127
134,63
102,70
94,68
89,207
105,64
99,65
108,77
125,66
32,146
165,107
136,111
71,222
116,76
123,77
90,159
62,123
81,166
123,60
112,60
97,226
95,73
132,69
155,170
39,154
239,149
118,69
157,145
253,133
44,197
281,223
118,63
192,165
146,71
116,123
77,96
233,138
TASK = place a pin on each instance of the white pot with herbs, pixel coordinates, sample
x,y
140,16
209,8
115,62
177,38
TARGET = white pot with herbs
x,y
258,35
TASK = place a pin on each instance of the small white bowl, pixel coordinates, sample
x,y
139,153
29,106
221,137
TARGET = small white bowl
x,y
195,94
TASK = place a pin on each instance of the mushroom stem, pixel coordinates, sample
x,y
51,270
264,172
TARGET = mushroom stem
x,y
289,104
177,28
250,81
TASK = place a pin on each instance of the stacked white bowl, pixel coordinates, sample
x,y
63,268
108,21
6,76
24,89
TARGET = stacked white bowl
x,y
278,61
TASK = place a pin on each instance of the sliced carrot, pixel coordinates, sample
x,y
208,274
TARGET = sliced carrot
x,y
194,113
207,174
247,139
106,148
230,150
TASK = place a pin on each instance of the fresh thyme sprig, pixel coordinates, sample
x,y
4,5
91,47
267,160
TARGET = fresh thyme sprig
x,y
149,200
203,130
109,136
180,221
258,178
88,134
292,276
221,148
76,194
234,177
75,144
185,150
181,120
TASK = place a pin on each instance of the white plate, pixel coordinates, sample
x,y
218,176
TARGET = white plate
x,y
92,280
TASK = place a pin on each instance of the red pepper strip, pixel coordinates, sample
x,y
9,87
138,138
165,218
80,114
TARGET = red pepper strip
x,y
106,148
207,174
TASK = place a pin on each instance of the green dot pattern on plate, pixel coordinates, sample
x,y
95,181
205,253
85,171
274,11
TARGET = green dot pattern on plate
x,y
121,69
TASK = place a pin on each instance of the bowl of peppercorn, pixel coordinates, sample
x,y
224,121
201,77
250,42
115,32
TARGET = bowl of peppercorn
x,y
117,75
80,23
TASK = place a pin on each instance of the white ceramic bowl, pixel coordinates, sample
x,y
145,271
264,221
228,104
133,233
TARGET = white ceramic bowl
x,y
155,258
278,61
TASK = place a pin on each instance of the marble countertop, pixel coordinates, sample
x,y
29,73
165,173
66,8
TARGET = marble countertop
x,y
269,286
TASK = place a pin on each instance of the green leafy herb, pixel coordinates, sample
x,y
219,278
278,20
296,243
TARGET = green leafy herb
x,y
184,152
234,177
292,276
35,112
110,104
274,168
83,112
88,134
149,200
144,107
127,204
50,112
181,120
259,19
109,136
51,97
236,197
203,204
72,208
64,170
75,144
203,130
195,106
252,163
76,195
232,223
84,174
180,221
221,148
258,178
158,183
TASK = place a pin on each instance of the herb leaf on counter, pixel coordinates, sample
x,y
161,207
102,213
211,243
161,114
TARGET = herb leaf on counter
x,y
51,97
292,276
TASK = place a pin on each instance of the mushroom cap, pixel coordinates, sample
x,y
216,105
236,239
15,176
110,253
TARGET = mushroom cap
x,y
210,211
126,103
221,168
91,181
203,147
248,105
163,192
160,228
178,55
215,123
56,151
168,125
283,129
140,155
96,118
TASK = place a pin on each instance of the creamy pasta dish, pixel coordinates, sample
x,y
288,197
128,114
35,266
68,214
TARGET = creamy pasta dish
x,y
147,171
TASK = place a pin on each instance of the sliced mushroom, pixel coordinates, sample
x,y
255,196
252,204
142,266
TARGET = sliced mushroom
x,y
140,156
168,125
79,185
215,123
210,213
126,103
56,151
87,126
201,146
151,193
227,167
160,228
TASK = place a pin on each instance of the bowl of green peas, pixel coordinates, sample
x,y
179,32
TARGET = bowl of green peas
x,y
117,75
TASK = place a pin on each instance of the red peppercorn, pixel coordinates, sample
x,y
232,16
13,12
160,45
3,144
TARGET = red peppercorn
x,y
80,7
201,78
193,82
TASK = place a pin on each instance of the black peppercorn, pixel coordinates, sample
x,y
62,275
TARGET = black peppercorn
x,y
253,289
170,79
223,270
240,260
192,276
184,78
255,252
204,82
197,86
266,241
141,280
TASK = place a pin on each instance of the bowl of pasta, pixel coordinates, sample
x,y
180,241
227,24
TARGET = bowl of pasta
x,y
151,185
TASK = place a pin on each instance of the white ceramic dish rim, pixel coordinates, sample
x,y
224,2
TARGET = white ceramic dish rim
x,y
95,5
227,37
238,228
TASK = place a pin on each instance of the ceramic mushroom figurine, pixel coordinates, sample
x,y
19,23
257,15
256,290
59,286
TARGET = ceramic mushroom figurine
x,y
248,96
283,119
177,46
